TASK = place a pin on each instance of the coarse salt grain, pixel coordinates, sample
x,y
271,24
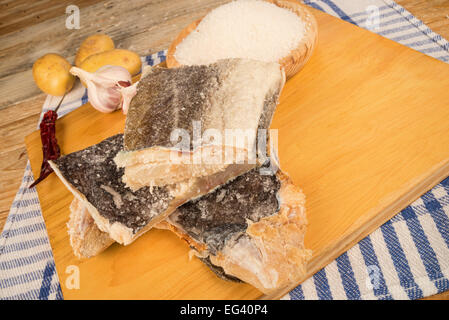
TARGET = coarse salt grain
x,y
250,29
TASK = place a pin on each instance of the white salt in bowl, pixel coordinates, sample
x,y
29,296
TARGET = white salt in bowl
x,y
293,62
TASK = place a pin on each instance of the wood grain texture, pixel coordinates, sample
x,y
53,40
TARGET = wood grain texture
x,y
16,122
24,25
141,26
15,15
434,13
361,151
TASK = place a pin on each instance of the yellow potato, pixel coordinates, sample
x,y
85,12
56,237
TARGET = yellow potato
x,y
92,45
116,57
51,74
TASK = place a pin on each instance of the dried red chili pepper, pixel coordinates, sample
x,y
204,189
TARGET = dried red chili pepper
x,y
50,148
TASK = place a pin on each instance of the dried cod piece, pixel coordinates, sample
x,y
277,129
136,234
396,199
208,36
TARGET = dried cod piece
x,y
251,229
219,107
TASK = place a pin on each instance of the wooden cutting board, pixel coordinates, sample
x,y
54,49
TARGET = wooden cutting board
x,y
363,129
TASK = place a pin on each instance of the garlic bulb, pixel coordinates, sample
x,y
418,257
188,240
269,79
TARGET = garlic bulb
x,y
108,88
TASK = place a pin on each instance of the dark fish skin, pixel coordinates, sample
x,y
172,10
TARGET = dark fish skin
x,y
222,214
219,271
169,99
93,172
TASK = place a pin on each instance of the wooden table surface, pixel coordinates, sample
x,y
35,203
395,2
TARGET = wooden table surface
x,y
28,30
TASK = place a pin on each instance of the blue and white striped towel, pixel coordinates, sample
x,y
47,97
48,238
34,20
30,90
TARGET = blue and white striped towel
x,y
407,258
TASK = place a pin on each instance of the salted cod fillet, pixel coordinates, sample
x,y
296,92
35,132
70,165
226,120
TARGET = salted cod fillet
x,y
232,98
251,229
94,179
